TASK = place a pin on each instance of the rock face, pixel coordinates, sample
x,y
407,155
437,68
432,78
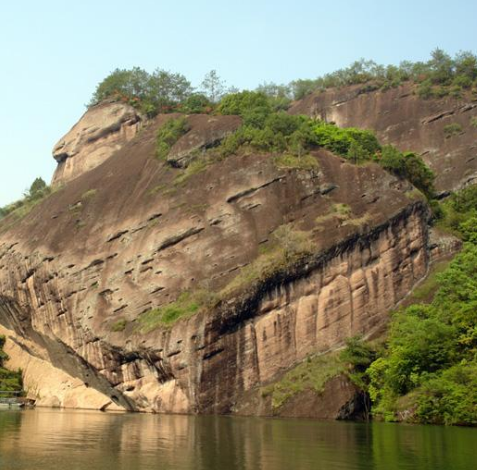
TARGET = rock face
x,y
400,117
102,130
209,362
129,233
340,400
78,274
50,385
205,132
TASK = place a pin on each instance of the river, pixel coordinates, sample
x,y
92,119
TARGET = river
x,y
44,439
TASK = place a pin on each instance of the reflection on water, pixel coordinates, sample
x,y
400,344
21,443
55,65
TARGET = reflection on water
x,y
54,439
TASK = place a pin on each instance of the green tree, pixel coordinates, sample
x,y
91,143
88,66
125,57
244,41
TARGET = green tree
x,y
356,153
37,188
272,90
9,380
358,355
419,174
153,93
441,66
130,84
466,64
302,87
430,364
3,354
425,90
279,95
168,134
244,102
410,166
213,86
166,90
254,107
465,200
197,103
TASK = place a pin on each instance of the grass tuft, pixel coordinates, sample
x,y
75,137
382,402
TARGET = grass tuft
x,y
186,305
119,326
288,161
312,374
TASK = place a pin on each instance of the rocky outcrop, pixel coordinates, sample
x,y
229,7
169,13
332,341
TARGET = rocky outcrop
x,y
49,385
339,400
78,274
102,130
443,245
402,118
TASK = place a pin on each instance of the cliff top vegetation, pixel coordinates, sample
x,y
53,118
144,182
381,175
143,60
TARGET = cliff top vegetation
x,y
163,91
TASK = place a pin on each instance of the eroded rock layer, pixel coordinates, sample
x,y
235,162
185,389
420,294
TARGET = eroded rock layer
x,y
209,362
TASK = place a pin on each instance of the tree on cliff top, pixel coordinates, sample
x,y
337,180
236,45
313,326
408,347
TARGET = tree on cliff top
x,y
213,86
448,75
37,188
131,84
153,93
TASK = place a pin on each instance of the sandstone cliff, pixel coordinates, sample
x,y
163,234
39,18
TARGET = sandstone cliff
x,y
78,275
401,118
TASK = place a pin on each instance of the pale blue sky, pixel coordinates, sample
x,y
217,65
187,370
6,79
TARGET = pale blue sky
x,y
53,53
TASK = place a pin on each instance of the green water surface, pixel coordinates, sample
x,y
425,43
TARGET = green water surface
x,y
71,440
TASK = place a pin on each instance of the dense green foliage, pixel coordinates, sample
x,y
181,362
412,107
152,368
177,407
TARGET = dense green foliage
x,y
162,91
253,106
168,134
267,131
427,372
460,214
441,75
358,355
197,103
357,145
465,201
153,93
9,381
410,166
279,96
